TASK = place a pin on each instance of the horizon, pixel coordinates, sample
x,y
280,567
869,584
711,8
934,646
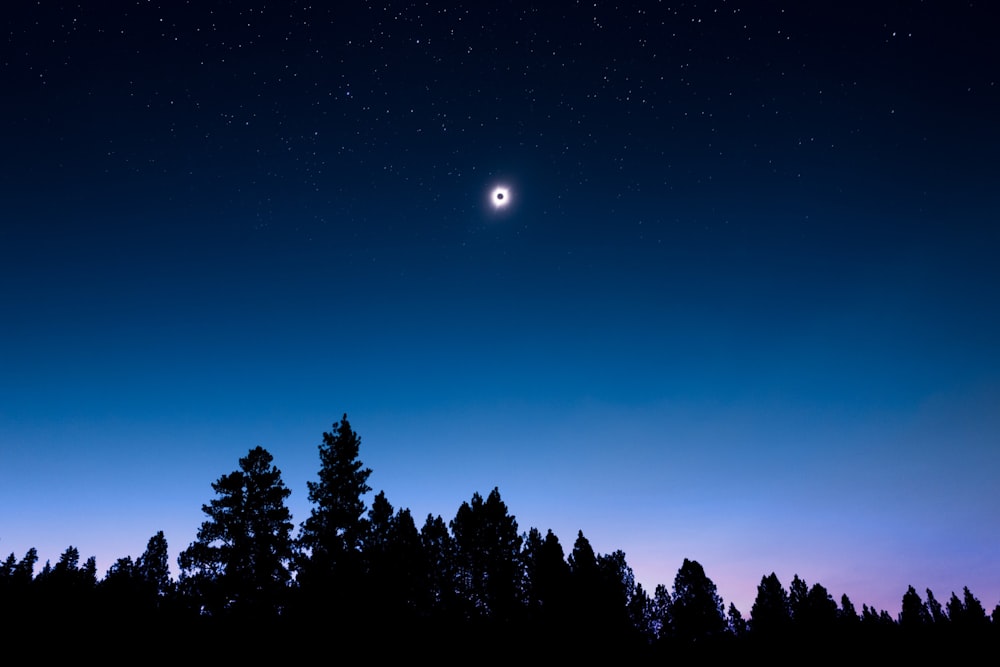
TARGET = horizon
x,y
860,586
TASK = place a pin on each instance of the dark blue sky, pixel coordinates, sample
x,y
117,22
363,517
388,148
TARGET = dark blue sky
x,y
741,307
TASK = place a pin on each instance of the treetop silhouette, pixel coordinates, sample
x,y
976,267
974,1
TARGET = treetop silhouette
x,y
335,526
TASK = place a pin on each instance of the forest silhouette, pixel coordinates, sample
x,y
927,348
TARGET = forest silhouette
x,y
472,587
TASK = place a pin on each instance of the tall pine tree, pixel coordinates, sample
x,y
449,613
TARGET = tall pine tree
x,y
241,558
332,536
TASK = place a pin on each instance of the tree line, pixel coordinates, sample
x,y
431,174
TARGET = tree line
x,y
355,571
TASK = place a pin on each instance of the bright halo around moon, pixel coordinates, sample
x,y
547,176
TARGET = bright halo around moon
x,y
500,197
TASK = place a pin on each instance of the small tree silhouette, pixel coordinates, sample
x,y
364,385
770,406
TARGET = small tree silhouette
x,y
696,609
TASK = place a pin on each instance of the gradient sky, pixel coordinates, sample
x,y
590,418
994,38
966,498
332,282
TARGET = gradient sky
x,y
742,307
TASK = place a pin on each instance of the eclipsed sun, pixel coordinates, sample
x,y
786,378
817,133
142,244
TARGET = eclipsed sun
x,y
500,197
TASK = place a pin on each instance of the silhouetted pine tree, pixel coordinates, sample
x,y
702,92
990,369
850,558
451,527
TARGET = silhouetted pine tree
x,y
19,573
935,611
617,589
121,592
487,551
547,587
395,564
771,614
798,591
153,569
132,591
584,590
240,560
913,616
67,588
641,614
956,610
848,615
736,624
967,615
442,575
330,568
820,612
7,570
18,600
696,610
661,612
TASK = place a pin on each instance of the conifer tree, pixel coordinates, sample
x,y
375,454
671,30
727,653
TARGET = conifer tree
x,y
734,620
487,550
913,615
24,570
661,603
848,614
332,535
820,612
771,611
934,610
549,575
153,567
240,561
696,609
798,591
395,564
442,576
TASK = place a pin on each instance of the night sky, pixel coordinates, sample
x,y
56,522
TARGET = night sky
x,y
741,305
